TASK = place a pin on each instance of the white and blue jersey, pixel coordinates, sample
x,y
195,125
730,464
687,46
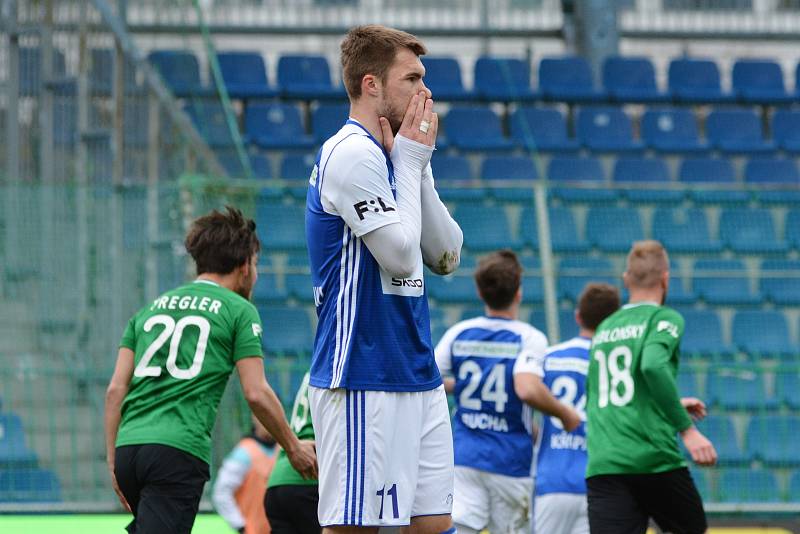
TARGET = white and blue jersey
x,y
374,329
561,455
492,426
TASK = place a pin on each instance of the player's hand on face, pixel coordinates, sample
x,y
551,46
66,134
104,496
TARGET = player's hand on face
x,y
695,407
119,493
701,449
571,419
304,459
420,123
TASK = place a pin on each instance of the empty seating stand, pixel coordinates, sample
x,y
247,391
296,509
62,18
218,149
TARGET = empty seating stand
x,y
631,79
307,78
771,171
503,79
759,82
276,126
763,334
606,129
327,119
180,71
773,439
696,81
29,485
443,78
786,130
702,337
541,129
245,75
292,328
742,485
738,388
612,229
750,231
459,125
723,282
672,131
14,451
737,131
779,282
568,79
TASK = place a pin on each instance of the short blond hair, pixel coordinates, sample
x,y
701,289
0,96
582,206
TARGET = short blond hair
x,y
371,49
647,262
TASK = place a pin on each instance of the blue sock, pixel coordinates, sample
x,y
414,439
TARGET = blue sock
x,y
450,531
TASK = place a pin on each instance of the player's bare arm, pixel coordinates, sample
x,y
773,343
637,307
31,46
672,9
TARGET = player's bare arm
x,y
532,391
695,407
115,394
267,408
701,449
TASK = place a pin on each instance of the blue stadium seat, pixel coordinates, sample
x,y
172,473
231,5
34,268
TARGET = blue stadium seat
x,y
641,170
485,227
13,449
759,82
696,81
259,164
29,485
508,168
605,129
327,119
723,282
567,326
568,79
738,388
268,289
30,71
672,131
722,433
631,79
773,439
786,129
281,226
297,166
679,294
737,131
532,284
793,495
702,335
687,383
792,228
744,485
275,126
762,333
211,122
563,230
779,282
787,387
307,78
286,330
180,71
245,75
713,170
574,169
449,167
503,79
541,129
700,479
459,124
453,288
443,78
771,170
684,230
613,229
300,286
750,231
575,272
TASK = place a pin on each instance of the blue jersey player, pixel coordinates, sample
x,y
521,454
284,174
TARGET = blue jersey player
x,y
373,218
560,500
496,362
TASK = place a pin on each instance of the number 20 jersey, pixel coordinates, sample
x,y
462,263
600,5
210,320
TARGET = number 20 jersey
x,y
492,426
185,344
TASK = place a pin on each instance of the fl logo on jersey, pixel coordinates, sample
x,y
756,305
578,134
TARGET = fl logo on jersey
x,y
375,205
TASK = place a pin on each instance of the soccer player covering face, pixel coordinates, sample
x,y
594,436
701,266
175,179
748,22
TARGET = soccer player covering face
x,y
635,470
174,361
497,362
559,505
373,218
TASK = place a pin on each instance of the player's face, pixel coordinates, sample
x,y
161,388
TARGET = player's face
x,y
249,278
403,81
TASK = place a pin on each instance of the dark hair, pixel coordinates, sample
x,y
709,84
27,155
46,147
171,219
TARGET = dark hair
x,y
597,302
498,277
371,49
220,242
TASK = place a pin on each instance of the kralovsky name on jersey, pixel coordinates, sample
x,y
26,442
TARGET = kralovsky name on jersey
x,y
484,421
620,333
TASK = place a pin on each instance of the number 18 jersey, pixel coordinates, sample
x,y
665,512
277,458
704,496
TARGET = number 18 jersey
x,y
492,426
628,432
185,346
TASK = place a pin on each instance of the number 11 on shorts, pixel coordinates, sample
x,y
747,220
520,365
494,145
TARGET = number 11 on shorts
x,y
393,493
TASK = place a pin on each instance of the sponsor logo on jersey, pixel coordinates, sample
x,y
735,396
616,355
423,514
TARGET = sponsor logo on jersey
x,y
313,179
376,206
318,296
257,331
669,327
407,282
486,349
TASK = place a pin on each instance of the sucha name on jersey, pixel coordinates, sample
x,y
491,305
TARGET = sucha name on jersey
x,y
484,421
619,333
187,302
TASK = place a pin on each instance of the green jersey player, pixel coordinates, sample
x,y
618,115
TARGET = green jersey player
x,y
291,501
174,361
635,470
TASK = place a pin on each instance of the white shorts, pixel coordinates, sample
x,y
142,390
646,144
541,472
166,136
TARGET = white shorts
x,y
488,500
384,457
560,513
